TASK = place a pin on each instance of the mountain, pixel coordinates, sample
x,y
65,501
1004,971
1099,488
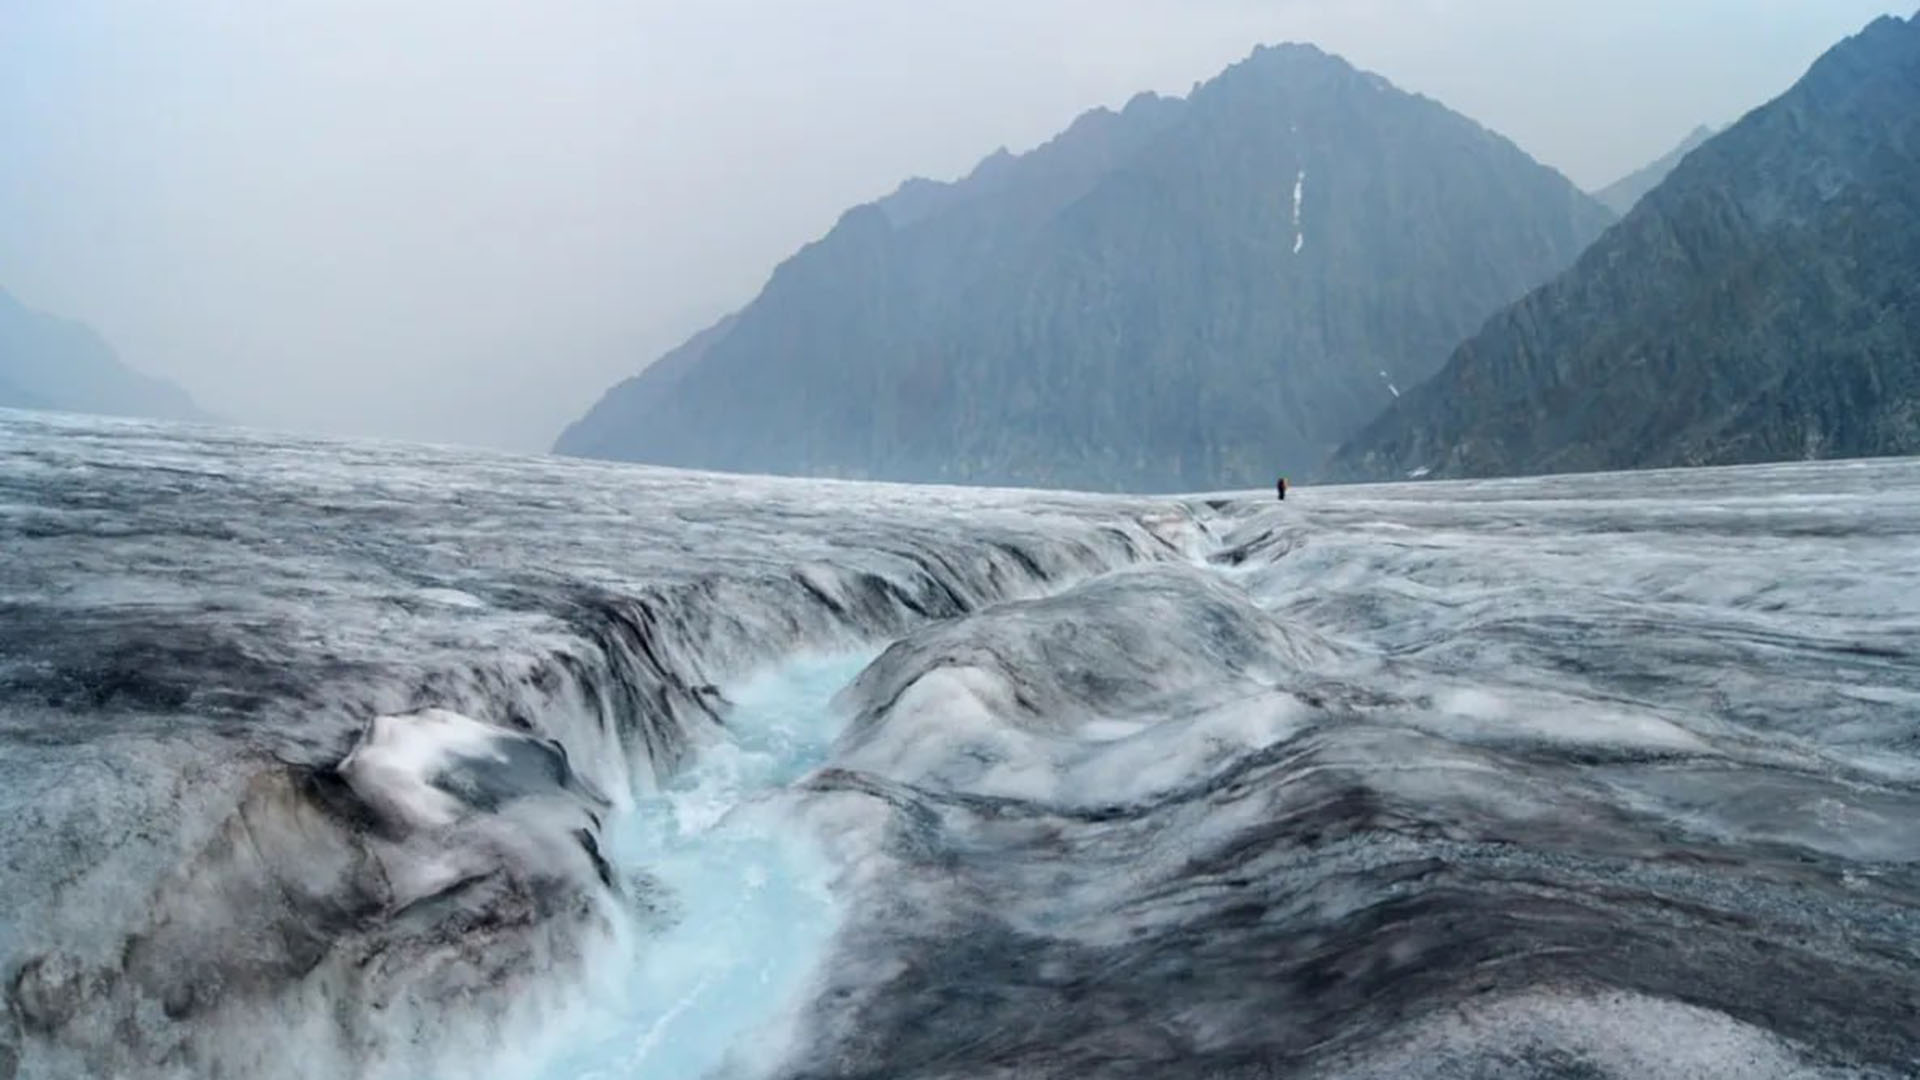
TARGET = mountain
x,y
1621,195
12,397
1184,294
1761,304
601,430
53,363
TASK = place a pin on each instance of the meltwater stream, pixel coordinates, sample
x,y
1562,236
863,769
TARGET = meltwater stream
x,y
744,913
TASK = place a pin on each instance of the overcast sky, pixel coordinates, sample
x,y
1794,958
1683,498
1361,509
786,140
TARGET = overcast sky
x,y
460,220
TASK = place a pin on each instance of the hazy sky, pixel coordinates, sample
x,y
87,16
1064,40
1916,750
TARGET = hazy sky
x,y
460,220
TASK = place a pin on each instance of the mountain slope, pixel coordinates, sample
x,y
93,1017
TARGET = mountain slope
x,y
1188,293
12,397
1623,194
1763,303
594,434
52,363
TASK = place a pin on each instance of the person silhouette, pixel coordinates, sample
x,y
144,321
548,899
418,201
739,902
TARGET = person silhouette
x,y
1281,487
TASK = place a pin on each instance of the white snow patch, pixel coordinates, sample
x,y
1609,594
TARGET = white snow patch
x,y
394,766
1475,712
1299,195
452,598
1621,1033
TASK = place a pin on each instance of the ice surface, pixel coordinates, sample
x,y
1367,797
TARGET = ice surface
x,y
323,759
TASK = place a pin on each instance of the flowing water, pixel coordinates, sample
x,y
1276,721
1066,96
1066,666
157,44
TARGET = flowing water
x,y
747,906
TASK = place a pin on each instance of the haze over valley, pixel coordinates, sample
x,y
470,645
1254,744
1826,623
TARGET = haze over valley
x,y
466,227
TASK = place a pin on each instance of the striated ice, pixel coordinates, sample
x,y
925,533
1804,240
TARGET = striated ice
x,y
324,759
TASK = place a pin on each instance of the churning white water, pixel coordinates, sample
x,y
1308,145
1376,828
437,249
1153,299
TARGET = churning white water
x,y
745,910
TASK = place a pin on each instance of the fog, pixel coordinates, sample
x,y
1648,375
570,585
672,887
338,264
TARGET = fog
x,y
461,221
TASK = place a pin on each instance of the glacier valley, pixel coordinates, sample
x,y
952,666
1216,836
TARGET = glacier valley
x,y
324,759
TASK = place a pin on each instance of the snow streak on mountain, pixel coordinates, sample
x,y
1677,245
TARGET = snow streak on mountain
x,y
324,759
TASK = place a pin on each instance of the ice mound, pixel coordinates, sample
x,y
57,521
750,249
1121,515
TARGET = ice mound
x,y
1131,684
362,897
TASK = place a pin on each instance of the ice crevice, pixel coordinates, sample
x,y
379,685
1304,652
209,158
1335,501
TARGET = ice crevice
x,y
488,830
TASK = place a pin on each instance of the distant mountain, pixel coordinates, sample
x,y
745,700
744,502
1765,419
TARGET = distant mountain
x,y
12,397
53,363
1188,293
603,429
1761,304
1621,195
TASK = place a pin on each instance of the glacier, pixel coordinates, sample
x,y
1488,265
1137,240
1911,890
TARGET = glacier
x,y
348,759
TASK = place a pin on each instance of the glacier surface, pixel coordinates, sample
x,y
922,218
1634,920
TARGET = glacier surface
x,y
324,759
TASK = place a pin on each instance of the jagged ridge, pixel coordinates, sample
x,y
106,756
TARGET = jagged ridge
x,y
1184,295
1763,303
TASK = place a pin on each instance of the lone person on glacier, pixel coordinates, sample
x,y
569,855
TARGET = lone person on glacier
x,y
1282,488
